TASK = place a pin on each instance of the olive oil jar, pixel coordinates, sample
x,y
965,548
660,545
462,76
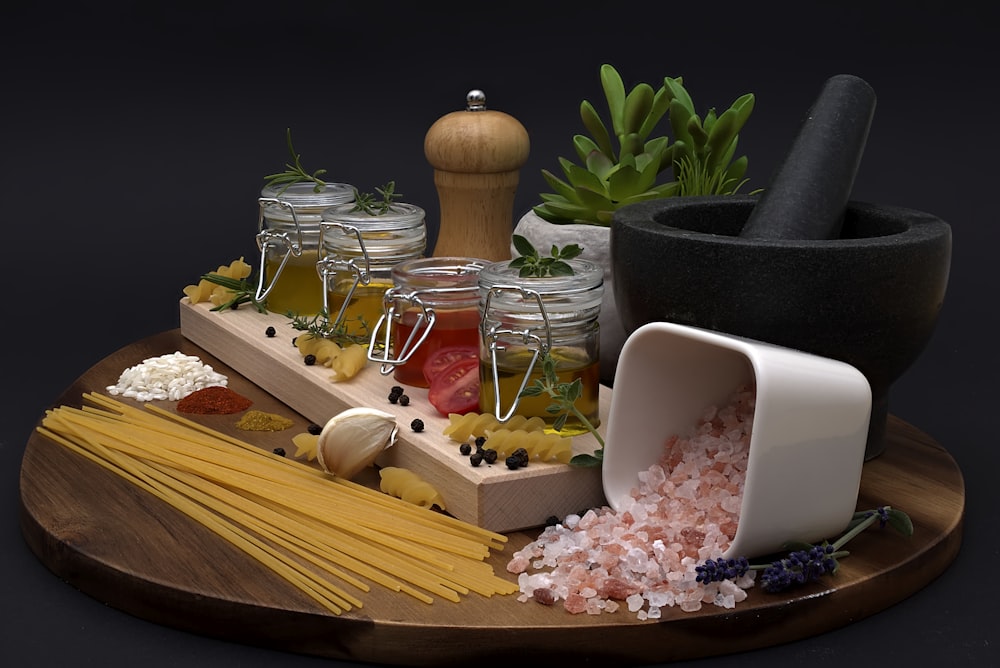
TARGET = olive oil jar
x,y
523,319
357,254
288,234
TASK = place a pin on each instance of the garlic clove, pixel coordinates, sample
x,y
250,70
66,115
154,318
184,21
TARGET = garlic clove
x,y
351,440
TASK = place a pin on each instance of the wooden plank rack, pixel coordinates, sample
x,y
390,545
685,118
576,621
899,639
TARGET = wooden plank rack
x,y
490,496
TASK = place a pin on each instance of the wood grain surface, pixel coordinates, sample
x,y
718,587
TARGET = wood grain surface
x,y
133,552
492,497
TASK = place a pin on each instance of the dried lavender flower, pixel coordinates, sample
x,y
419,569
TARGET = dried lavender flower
x,y
807,562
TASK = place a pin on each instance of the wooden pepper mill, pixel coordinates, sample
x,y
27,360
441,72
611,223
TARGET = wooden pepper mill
x,y
476,154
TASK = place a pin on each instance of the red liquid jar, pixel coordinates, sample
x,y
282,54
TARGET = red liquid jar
x,y
433,304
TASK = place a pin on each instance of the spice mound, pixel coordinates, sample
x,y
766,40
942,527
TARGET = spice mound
x,y
213,400
261,421
684,509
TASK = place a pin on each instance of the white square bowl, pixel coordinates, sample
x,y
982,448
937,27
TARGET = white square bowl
x,y
807,442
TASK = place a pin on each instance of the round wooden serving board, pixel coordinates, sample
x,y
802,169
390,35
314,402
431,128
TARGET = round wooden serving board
x,y
131,551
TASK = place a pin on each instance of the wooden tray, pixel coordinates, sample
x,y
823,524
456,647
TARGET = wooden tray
x,y
131,551
492,497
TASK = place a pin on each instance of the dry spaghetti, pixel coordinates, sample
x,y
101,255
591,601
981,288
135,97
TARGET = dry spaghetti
x,y
278,510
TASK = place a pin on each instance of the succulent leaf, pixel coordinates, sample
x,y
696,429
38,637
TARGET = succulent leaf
x,y
600,164
697,132
638,104
584,146
679,117
624,182
680,94
614,92
632,145
561,187
660,106
595,126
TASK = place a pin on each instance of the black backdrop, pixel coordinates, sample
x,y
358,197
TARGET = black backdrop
x,y
135,136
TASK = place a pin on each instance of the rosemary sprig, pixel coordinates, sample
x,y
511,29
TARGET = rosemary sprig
x,y
242,290
374,207
294,172
564,396
531,264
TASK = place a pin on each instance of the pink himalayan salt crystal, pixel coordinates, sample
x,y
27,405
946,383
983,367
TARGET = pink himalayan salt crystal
x,y
684,510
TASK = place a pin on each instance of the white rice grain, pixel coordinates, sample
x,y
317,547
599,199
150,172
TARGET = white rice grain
x,y
171,377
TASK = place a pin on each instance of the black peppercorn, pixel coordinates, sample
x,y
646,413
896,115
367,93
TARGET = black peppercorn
x,y
309,359
417,425
480,440
314,429
279,451
476,458
489,455
270,332
404,400
465,448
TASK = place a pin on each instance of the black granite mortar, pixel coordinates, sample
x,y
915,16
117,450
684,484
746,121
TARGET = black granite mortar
x,y
870,298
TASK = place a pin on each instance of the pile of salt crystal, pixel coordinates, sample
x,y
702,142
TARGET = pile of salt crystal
x,y
684,510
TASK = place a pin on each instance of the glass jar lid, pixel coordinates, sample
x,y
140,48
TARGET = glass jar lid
x,y
398,234
307,204
450,282
577,296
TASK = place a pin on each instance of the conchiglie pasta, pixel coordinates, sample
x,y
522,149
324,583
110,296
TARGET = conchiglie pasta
x,y
406,485
472,425
541,446
349,362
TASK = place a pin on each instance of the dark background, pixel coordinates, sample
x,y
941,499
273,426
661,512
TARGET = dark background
x,y
135,138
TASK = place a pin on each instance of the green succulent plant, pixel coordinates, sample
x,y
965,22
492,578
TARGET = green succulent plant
x,y
701,157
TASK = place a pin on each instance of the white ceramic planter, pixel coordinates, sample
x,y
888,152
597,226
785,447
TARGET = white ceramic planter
x,y
595,241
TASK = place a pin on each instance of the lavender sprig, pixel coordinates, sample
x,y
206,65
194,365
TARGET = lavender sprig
x,y
808,562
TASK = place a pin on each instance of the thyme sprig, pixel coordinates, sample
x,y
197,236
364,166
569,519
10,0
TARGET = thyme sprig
x,y
806,562
242,290
376,207
564,396
295,172
319,326
530,263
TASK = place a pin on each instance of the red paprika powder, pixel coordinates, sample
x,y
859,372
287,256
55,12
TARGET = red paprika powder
x,y
213,400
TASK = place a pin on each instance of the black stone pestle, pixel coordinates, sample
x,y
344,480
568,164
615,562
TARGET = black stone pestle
x,y
808,194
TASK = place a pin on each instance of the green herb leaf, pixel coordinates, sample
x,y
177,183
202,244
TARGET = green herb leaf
x,y
376,207
294,172
531,265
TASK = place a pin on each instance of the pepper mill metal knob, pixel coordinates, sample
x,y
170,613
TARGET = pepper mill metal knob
x,y
477,155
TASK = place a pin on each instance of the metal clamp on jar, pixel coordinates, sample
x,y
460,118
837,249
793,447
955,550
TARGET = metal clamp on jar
x,y
288,235
523,319
434,306
359,250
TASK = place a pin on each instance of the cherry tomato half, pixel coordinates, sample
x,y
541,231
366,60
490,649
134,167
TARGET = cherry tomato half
x,y
456,388
443,358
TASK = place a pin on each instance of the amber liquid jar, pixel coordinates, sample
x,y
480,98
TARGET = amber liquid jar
x,y
357,254
522,319
434,304
288,239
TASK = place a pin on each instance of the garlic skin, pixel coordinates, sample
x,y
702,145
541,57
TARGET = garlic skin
x,y
351,440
